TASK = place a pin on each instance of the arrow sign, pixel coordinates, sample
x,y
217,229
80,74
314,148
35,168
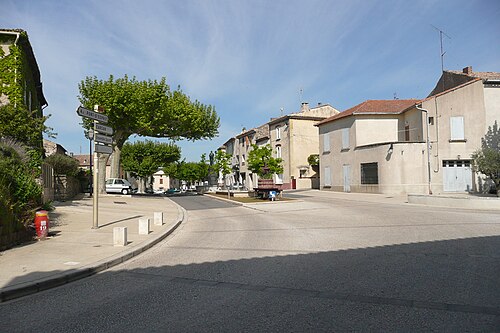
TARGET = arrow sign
x,y
103,149
91,114
103,138
104,129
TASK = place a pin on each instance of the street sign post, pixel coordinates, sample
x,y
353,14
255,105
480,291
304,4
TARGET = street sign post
x,y
103,129
102,149
97,116
92,114
103,139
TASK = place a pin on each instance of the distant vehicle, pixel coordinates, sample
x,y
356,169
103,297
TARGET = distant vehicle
x,y
119,185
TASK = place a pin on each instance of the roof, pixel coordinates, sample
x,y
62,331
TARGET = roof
x,y
392,106
480,75
450,90
84,160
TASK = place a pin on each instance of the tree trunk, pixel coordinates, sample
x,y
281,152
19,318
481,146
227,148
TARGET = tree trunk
x,y
103,159
115,162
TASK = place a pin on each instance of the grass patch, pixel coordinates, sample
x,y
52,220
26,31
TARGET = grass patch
x,y
246,199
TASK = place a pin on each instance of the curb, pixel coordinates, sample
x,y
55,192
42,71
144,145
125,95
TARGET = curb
x,y
28,288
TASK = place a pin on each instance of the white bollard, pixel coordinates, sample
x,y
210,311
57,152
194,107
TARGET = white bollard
x,y
158,218
119,236
144,226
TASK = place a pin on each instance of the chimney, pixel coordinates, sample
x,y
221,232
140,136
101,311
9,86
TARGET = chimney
x,y
467,70
304,107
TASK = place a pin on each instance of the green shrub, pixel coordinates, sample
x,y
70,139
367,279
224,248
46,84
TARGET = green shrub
x,y
63,164
20,194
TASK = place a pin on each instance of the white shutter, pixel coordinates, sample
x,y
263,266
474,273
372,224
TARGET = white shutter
x,y
345,138
457,128
328,176
326,142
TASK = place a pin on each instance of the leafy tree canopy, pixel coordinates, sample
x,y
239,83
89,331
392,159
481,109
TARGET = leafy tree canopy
x,y
144,158
313,160
63,164
487,159
261,162
147,108
222,162
22,125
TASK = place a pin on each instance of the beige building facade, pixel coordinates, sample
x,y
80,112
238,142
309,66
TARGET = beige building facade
x,y
412,146
292,137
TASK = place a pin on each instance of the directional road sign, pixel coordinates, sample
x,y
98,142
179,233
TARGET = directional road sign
x,y
103,149
103,138
103,129
91,114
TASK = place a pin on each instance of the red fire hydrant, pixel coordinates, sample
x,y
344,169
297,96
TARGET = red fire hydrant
x,y
42,224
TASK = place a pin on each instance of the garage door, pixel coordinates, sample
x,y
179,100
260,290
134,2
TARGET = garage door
x,y
457,176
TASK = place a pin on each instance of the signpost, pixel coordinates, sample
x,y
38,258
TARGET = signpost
x,y
102,148
103,139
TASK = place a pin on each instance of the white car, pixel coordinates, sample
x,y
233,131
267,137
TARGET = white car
x,y
118,185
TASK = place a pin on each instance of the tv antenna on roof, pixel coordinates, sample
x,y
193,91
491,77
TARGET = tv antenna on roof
x,y
441,33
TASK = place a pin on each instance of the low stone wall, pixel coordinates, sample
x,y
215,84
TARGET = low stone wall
x,y
10,240
65,187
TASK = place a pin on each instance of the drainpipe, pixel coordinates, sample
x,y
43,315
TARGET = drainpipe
x,y
428,149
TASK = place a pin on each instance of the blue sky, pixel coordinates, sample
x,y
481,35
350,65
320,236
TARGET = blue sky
x,y
251,58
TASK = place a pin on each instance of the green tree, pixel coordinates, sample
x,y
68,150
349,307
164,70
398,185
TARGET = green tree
x,y
222,164
20,193
63,164
24,126
487,159
261,162
143,158
147,108
188,171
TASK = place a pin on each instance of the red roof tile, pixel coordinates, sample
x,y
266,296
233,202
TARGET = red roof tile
x,y
393,106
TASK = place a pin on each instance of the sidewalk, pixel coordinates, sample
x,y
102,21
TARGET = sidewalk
x,y
74,250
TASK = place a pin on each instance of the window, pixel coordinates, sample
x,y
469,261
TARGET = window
x,y
407,132
278,151
326,143
302,173
328,176
345,138
243,159
161,181
457,129
278,133
369,173
431,120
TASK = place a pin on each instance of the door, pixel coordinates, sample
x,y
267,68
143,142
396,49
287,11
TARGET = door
x,y
347,177
457,176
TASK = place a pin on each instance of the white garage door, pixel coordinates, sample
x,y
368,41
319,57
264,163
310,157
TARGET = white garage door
x,y
457,176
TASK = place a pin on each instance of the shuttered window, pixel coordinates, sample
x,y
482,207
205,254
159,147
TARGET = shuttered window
x,y
328,176
457,128
326,143
345,138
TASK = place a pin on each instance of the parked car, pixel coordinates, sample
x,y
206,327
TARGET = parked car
x,y
119,185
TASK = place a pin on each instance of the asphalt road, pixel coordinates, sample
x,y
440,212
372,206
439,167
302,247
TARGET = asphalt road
x,y
311,265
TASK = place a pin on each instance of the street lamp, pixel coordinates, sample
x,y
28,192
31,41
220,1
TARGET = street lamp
x,y
89,134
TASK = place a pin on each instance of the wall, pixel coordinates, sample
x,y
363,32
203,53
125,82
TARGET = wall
x,y
304,141
371,130
402,171
65,187
467,101
492,105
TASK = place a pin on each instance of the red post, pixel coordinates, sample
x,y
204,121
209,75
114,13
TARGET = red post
x,y
42,224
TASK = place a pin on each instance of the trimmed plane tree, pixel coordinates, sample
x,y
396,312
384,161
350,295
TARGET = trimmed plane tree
x,y
147,108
